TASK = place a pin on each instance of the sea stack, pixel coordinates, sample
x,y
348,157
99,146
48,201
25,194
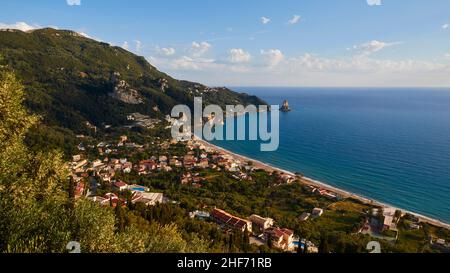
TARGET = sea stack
x,y
285,107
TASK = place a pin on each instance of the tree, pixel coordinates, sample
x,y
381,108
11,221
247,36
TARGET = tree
x,y
246,241
324,247
168,239
305,250
299,249
32,201
36,214
398,214
120,218
94,227
269,241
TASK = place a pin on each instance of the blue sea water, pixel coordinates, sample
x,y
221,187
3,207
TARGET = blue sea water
x,y
391,145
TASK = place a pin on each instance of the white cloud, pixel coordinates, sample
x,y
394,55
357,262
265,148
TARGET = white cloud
x,y
138,45
445,26
74,2
373,46
265,20
374,2
309,70
238,55
125,45
295,19
358,63
272,57
199,49
168,51
20,26
273,67
187,63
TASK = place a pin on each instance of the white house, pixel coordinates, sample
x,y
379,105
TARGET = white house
x,y
317,212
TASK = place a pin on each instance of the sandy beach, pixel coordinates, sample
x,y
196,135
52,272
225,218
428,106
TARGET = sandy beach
x,y
346,194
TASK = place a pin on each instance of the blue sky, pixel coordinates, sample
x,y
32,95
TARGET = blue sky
x,y
264,43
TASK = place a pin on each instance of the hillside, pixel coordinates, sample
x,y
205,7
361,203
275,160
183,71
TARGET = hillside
x,y
71,80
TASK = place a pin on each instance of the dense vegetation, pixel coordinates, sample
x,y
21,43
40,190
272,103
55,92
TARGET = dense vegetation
x,y
68,79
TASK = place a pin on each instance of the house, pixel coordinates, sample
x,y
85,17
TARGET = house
x,y
204,163
115,161
231,221
79,189
440,242
305,216
162,158
121,186
101,200
76,158
317,212
110,199
123,139
312,248
175,162
327,194
387,222
189,161
261,222
108,174
149,165
127,167
186,178
81,147
288,179
123,160
222,162
147,198
282,238
81,164
199,214
233,167
197,178
388,219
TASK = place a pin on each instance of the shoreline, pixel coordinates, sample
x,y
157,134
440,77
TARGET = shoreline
x,y
309,181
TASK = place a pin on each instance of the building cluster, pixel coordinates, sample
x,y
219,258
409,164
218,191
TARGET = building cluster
x,y
260,227
315,213
197,157
86,174
388,218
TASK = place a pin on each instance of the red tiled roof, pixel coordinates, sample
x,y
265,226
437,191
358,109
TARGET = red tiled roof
x,y
287,231
120,184
228,219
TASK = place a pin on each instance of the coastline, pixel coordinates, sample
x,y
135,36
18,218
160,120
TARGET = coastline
x,y
309,181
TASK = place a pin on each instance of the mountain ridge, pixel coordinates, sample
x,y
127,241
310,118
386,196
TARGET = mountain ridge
x,y
74,82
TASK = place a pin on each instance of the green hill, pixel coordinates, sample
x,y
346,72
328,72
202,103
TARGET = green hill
x,y
71,80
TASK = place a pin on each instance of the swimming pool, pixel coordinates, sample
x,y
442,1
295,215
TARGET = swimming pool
x,y
138,189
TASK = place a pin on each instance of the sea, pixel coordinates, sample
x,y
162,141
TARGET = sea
x,y
391,145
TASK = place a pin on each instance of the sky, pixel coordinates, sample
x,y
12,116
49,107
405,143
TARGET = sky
x,y
306,43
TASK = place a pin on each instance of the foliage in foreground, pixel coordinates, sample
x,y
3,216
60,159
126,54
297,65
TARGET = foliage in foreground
x,y
36,213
